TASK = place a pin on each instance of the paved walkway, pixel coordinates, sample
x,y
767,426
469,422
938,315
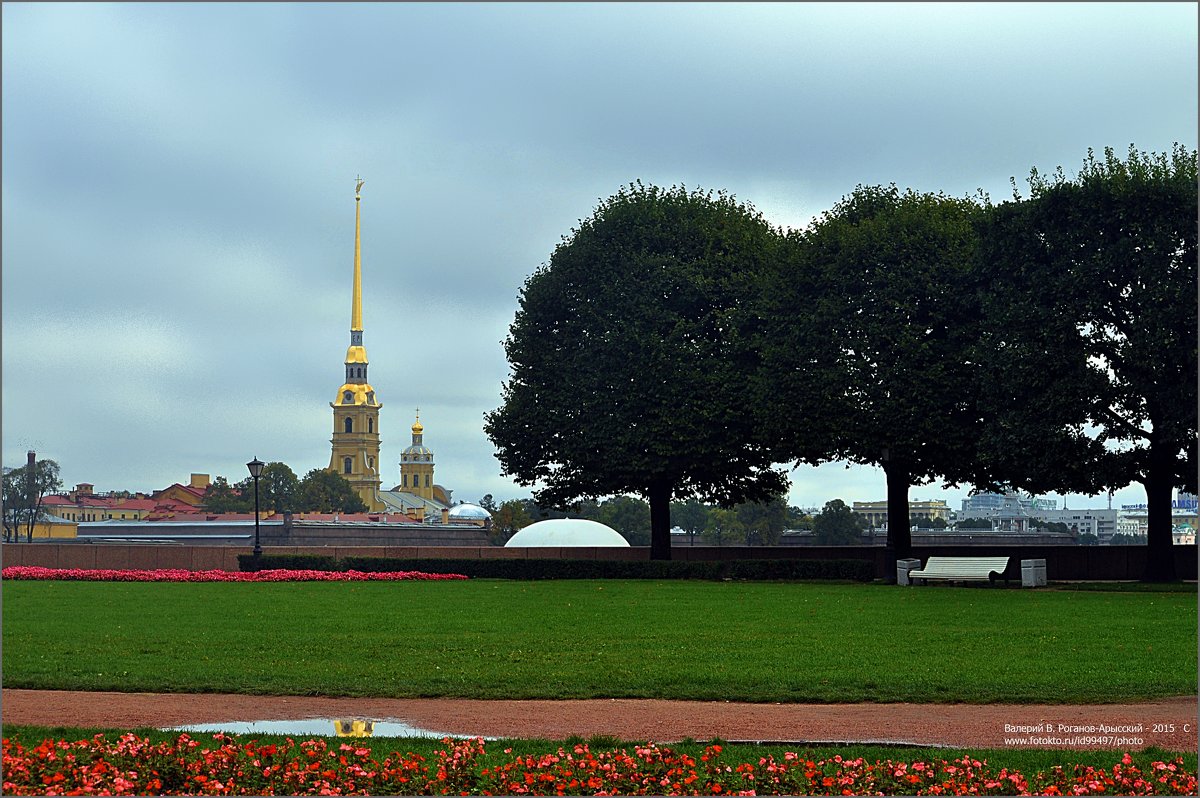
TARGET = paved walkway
x,y
1169,723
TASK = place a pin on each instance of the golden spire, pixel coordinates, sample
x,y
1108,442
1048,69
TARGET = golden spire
x,y
357,391
356,307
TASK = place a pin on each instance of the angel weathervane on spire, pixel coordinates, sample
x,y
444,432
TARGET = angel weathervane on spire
x,y
358,188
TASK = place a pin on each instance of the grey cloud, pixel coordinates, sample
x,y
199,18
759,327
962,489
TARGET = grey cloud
x,y
192,165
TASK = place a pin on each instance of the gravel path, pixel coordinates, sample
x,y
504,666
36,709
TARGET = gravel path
x,y
1169,723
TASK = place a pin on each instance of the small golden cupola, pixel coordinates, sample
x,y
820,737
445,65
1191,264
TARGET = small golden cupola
x,y
356,408
416,464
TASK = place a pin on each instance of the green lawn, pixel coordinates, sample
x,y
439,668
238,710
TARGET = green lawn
x,y
580,639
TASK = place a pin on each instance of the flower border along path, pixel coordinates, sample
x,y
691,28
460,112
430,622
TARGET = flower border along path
x,y
134,765
30,572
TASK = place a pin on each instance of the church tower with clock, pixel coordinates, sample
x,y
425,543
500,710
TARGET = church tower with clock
x,y
356,408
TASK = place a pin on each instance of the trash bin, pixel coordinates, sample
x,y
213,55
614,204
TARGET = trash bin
x,y
902,569
1033,573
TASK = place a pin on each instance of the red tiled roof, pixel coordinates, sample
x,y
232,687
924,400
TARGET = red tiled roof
x,y
197,492
136,504
94,501
57,501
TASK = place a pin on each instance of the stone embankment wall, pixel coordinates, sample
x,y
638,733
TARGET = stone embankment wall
x,y
1062,562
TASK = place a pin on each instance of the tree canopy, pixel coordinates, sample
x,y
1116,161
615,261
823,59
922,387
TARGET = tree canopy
x,y
278,488
1107,259
676,346
327,491
868,340
838,525
627,369
280,491
23,496
221,497
508,519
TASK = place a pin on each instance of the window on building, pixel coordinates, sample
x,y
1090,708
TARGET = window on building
x,y
348,396
404,480
349,423
348,465
428,478
370,462
370,425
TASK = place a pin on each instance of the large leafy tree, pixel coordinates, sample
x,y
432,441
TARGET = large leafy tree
x,y
24,490
327,491
628,371
763,522
1112,252
838,525
278,488
221,497
629,516
723,526
868,342
1034,434
691,516
508,518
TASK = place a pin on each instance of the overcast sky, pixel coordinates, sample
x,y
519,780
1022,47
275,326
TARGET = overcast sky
x,y
178,189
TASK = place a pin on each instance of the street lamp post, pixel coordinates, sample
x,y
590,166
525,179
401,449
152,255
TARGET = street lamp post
x,y
256,467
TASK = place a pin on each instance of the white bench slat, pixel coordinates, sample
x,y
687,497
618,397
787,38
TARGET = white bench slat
x,y
962,569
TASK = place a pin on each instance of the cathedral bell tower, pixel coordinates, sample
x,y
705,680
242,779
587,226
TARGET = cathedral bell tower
x,y
416,464
356,410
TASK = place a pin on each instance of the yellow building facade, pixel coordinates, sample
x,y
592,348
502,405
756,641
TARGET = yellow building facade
x,y
356,408
416,466
49,527
875,513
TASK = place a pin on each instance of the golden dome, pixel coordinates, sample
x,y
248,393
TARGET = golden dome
x,y
356,354
416,427
356,393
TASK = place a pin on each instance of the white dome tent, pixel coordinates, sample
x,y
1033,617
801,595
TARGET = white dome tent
x,y
567,532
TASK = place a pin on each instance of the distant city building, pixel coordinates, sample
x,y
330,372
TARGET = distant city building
x,y
82,505
875,513
1099,522
1132,518
191,494
987,504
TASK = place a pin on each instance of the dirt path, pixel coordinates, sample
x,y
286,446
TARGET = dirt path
x,y
1169,723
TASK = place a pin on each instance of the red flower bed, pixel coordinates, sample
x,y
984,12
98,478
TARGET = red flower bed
x,y
133,765
180,575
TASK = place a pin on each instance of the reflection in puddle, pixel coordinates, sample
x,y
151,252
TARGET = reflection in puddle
x,y
318,727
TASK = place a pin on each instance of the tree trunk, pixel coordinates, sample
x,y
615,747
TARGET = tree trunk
x,y
659,495
30,478
1160,552
899,538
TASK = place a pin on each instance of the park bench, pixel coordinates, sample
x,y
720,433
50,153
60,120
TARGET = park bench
x,y
962,569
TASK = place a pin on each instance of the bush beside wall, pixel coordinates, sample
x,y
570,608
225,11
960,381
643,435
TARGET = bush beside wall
x,y
746,570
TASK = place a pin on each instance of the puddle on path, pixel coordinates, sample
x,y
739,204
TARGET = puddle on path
x,y
318,727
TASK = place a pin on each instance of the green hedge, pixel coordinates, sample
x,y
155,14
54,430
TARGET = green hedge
x,y
288,562
747,570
